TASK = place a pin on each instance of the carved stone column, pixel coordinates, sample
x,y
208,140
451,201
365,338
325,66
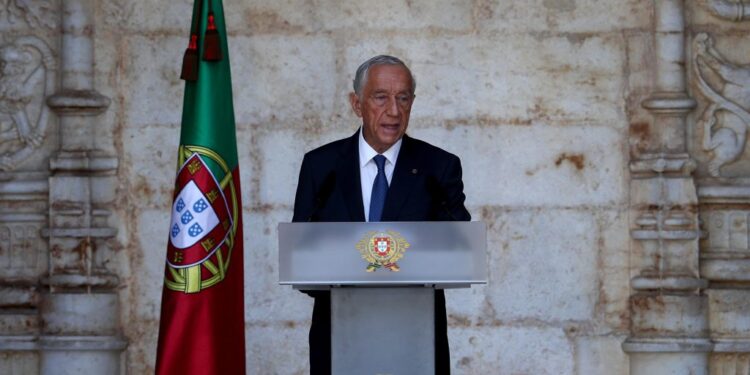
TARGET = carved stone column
x,y
79,306
722,86
669,331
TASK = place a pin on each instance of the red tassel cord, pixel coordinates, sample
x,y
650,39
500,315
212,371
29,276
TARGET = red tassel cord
x,y
190,60
212,40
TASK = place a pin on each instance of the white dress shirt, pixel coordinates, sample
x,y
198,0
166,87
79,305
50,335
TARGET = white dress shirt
x,y
368,169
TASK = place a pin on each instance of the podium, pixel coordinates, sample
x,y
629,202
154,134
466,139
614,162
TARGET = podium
x,y
382,278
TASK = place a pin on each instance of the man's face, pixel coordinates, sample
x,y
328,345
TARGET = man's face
x,y
385,105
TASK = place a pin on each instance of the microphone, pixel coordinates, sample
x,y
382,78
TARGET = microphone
x,y
326,189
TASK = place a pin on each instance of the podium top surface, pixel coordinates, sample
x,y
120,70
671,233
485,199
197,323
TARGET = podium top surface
x,y
443,254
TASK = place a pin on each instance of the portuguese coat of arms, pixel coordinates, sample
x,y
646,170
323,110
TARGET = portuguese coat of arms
x,y
202,228
382,249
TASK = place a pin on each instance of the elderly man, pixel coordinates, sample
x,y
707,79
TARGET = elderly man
x,y
379,174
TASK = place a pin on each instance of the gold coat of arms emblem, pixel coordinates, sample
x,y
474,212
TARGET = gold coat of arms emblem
x,y
382,249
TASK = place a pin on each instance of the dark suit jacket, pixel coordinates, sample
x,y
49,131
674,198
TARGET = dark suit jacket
x,y
426,186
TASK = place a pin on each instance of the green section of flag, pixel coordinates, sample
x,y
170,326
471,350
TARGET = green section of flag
x,y
208,112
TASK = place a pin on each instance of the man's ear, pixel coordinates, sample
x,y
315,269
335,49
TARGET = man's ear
x,y
355,103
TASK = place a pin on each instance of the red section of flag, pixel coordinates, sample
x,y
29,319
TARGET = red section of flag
x,y
203,332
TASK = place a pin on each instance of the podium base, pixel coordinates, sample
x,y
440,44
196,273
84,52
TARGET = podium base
x,y
383,331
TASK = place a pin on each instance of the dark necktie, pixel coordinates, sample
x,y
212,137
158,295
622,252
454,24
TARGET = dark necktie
x,y
379,190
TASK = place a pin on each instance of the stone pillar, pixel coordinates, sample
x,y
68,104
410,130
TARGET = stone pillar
x,y
721,85
79,305
669,330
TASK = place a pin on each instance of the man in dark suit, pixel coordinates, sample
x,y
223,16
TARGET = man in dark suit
x,y
379,174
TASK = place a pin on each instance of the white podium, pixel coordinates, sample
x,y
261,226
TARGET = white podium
x,y
382,278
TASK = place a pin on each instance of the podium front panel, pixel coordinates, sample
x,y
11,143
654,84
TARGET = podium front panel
x,y
429,253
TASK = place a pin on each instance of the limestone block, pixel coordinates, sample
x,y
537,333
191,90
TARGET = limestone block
x,y
152,15
19,363
601,355
147,262
546,268
536,165
516,79
394,14
469,306
668,363
283,78
729,313
277,349
639,56
613,264
655,315
153,90
267,302
80,314
563,15
663,191
141,351
263,16
729,363
278,158
150,164
508,350
74,362
19,323
272,17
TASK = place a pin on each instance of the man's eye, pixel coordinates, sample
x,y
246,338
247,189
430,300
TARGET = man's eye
x,y
380,99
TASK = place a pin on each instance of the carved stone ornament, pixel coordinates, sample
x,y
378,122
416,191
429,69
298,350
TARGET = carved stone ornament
x,y
729,10
118,12
36,13
27,77
726,118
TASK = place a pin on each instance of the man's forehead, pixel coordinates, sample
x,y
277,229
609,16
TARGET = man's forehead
x,y
387,77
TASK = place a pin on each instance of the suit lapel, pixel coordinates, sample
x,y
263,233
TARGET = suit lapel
x,y
403,180
349,181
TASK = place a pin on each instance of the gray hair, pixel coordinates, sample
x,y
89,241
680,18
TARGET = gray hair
x,y
360,78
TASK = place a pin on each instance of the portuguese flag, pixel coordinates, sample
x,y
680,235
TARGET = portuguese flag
x,y
202,327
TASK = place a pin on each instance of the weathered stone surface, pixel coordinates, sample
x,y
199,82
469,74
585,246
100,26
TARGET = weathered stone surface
x,y
512,171
541,99
154,150
276,349
18,363
283,79
563,15
545,268
516,79
729,314
511,350
265,300
600,355
394,14
152,68
147,264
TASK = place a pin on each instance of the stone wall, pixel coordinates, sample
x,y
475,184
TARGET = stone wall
x,y
589,146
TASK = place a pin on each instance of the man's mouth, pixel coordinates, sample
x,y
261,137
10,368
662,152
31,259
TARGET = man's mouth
x,y
390,127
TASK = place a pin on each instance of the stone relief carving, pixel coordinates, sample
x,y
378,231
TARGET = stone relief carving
x,y
726,119
729,10
25,65
36,13
118,12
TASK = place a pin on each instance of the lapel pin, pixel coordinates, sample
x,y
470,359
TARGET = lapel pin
x,y
414,171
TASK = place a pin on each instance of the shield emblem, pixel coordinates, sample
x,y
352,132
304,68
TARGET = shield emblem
x,y
382,246
198,213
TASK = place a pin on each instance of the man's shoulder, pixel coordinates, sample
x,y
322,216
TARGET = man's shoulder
x,y
429,150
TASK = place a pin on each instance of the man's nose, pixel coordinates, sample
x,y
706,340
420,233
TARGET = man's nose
x,y
392,109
